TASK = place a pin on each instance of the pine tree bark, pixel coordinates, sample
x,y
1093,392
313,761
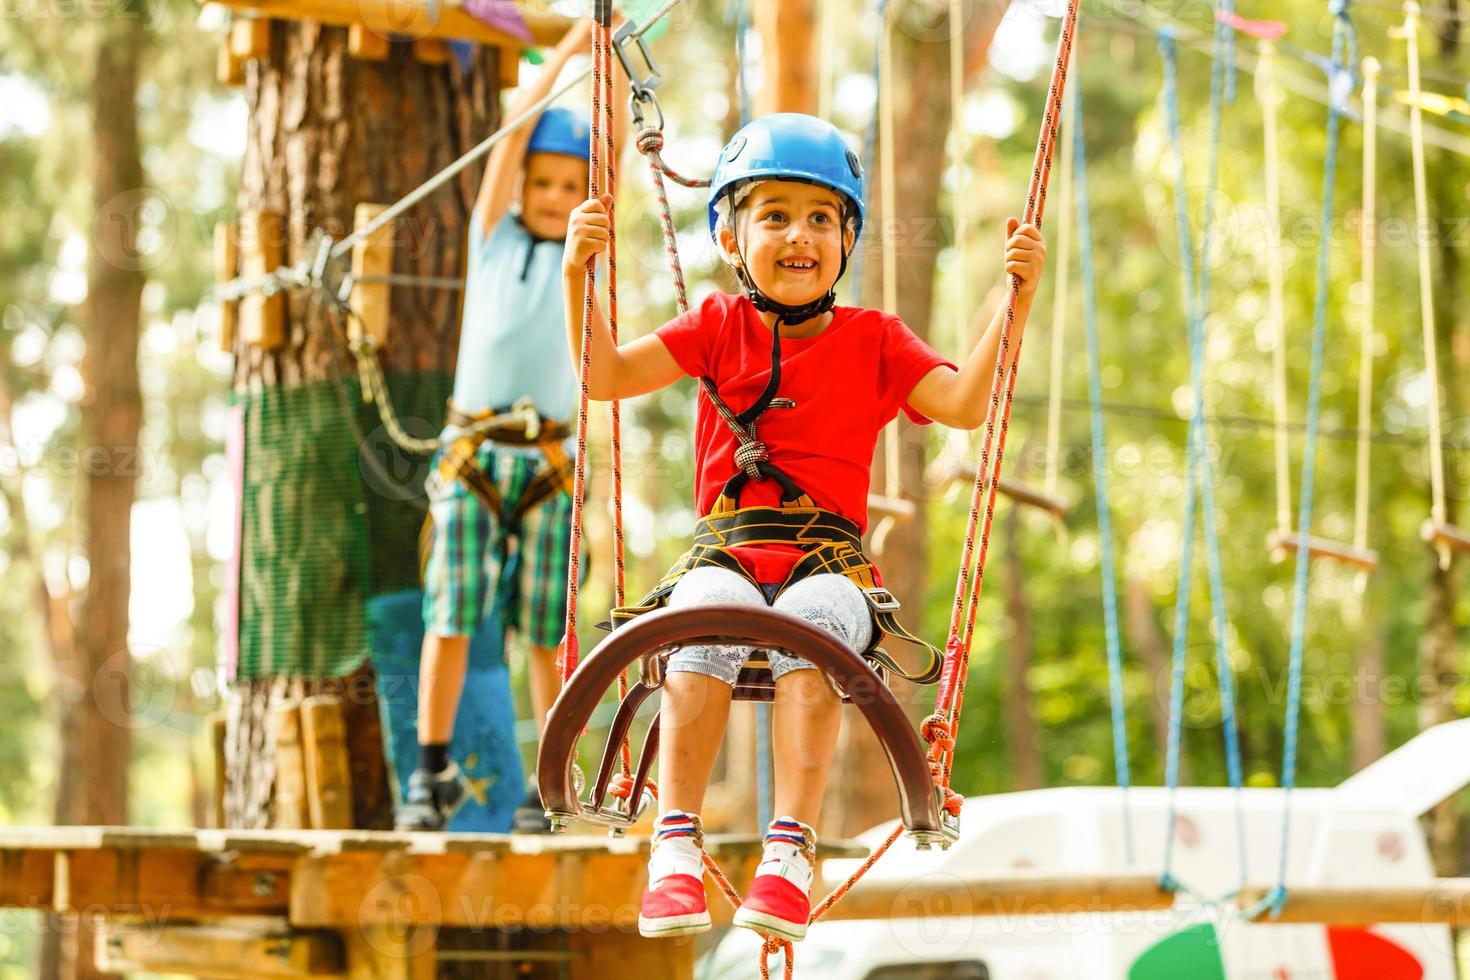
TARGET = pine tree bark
x,y
326,133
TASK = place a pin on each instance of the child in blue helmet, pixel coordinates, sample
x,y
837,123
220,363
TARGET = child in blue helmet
x,y
499,506
795,393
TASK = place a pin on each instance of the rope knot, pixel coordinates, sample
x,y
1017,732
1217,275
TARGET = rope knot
x,y
937,729
650,141
750,455
953,802
774,945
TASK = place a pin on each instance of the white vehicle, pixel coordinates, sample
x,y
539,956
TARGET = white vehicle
x,y
1362,833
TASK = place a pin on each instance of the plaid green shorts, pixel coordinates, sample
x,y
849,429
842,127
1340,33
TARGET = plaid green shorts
x,y
470,552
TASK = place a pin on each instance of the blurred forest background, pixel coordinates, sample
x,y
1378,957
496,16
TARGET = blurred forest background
x,y
1379,664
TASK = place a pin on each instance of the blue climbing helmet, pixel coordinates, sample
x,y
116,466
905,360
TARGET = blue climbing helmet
x,y
563,131
789,146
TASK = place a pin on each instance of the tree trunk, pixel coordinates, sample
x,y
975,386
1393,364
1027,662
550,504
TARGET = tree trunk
x,y
328,132
1023,737
787,30
1370,736
1153,656
920,38
95,731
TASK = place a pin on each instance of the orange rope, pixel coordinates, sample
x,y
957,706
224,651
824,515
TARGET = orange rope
x,y
567,659
951,694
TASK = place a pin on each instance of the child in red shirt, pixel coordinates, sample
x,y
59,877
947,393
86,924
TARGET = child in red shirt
x,y
796,392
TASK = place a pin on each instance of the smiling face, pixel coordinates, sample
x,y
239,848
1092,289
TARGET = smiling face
x,y
791,240
554,184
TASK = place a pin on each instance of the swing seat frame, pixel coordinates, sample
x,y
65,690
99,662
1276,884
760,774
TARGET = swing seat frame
x,y
648,641
1445,536
1284,543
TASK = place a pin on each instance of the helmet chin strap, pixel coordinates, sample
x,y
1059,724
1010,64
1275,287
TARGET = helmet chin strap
x,y
785,313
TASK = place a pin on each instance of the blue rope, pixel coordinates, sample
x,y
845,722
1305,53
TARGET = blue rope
x,y
1099,466
870,142
1344,57
1200,479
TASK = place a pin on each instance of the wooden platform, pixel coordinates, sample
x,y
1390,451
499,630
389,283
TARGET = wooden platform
x,y
352,904
410,19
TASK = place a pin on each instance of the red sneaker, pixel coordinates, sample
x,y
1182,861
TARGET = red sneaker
x,y
775,907
676,907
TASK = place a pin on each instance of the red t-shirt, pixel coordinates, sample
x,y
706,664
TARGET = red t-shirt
x,y
848,381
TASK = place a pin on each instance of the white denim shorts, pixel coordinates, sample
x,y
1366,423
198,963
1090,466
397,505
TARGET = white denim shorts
x,y
831,602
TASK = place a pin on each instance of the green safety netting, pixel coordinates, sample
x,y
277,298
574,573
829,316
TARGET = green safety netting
x,y
330,518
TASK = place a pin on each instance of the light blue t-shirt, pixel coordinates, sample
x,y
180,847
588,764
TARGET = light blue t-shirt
x,y
513,341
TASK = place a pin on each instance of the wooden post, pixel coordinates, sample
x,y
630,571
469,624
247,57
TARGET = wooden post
x,y
372,256
250,37
431,51
262,317
324,750
509,65
217,740
229,67
226,261
788,30
366,44
288,807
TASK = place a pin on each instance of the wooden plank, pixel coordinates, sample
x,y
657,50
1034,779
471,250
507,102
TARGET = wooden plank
x,y
1022,494
1445,902
943,895
412,19
627,954
895,507
178,884
372,256
324,748
266,949
1445,536
1282,544
288,795
26,878
262,247
250,37
377,952
366,44
537,882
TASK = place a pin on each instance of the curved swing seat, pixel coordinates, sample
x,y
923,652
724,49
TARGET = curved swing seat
x,y
648,641
1445,536
1283,543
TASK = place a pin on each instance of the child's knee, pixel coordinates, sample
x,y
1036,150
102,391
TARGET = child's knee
x,y
712,584
832,603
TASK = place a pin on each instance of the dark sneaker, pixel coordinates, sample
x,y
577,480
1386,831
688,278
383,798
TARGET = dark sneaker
x,y
530,816
433,798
